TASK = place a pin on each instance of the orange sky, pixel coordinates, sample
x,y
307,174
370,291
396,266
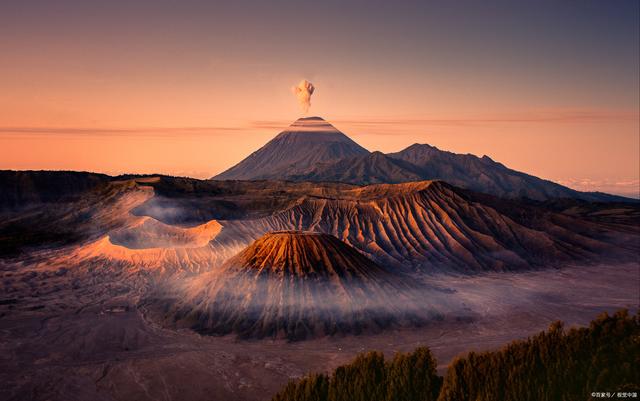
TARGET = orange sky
x,y
193,89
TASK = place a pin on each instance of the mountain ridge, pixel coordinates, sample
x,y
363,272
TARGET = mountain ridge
x,y
435,226
311,149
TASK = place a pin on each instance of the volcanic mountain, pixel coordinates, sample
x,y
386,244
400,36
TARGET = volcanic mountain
x,y
311,149
289,284
296,150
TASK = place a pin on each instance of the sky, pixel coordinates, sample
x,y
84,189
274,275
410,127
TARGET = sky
x,y
192,87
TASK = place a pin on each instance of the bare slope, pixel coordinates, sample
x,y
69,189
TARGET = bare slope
x,y
372,168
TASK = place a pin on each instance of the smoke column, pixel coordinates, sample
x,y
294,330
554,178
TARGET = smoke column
x,y
303,92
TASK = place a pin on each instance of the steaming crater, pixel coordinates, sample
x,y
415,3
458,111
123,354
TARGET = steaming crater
x,y
151,233
145,243
290,284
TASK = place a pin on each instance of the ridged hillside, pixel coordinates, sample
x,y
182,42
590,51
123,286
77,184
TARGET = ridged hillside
x,y
432,226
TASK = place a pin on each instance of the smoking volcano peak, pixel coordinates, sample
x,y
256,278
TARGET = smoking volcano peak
x,y
303,92
302,146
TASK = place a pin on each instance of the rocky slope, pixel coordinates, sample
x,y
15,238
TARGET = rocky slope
x,y
48,216
372,168
22,188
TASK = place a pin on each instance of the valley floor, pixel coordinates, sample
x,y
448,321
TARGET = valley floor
x,y
108,351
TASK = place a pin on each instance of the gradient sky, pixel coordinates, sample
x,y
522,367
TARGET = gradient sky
x,y
192,87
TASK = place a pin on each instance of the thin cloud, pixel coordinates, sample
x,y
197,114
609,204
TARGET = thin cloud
x,y
569,117
629,187
270,124
531,117
534,117
84,131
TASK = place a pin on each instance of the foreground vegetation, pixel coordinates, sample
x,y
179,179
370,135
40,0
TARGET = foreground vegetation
x,y
553,365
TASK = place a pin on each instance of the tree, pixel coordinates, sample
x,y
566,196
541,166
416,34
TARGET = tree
x,y
554,365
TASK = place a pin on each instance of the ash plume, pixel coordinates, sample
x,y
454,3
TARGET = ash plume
x,y
303,92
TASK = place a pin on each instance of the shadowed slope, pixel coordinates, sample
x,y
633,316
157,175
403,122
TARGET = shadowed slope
x,y
482,174
21,188
372,168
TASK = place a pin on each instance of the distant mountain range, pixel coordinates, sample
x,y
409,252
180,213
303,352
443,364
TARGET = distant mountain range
x,y
312,149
